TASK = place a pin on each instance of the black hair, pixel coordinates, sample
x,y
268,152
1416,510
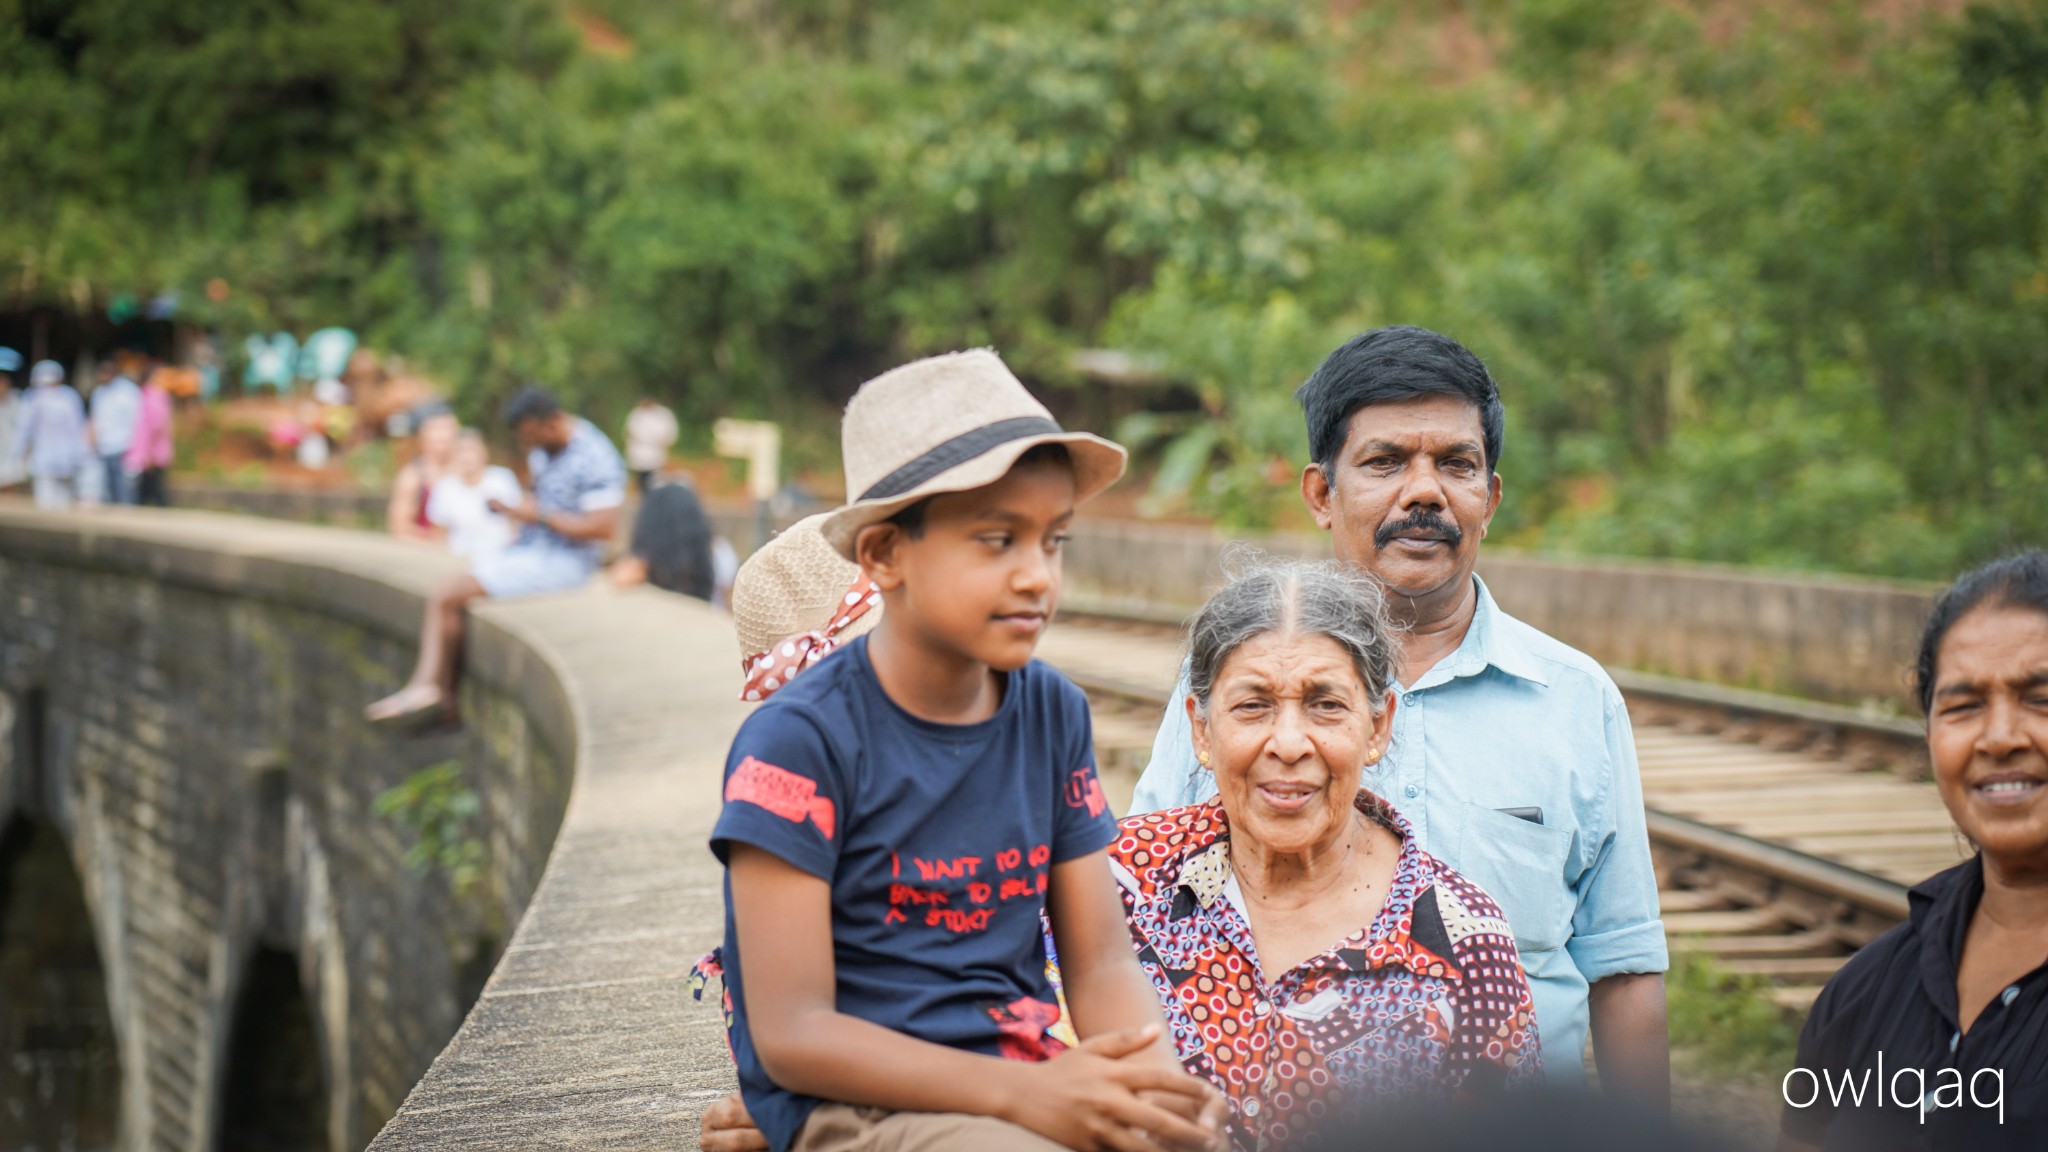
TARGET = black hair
x,y
672,535
2019,581
531,402
1390,364
910,518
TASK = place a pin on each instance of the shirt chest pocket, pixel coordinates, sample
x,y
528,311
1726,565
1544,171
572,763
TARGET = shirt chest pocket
x,y
1521,864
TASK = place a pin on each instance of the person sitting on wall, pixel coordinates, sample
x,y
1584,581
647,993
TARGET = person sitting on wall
x,y
460,503
579,482
1312,960
1512,758
898,820
405,513
671,545
1952,1005
794,602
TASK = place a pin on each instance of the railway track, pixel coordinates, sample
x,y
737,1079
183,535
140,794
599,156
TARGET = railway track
x,y
1785,832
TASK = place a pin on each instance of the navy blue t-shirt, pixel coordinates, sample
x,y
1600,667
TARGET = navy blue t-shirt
x,y
937,839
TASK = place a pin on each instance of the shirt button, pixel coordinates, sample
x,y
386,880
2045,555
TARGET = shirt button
x,y
2011,994
1953,1040
1251,1106
1410,791
1408,701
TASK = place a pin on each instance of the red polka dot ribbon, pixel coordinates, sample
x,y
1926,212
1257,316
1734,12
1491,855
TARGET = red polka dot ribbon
x,y
779,665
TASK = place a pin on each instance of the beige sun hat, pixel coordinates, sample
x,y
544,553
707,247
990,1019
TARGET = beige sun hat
x,y
948,424
795,583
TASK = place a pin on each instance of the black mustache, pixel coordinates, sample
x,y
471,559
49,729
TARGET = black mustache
x,y
1422,522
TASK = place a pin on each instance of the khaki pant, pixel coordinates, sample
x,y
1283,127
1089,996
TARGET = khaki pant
x,y
844,1128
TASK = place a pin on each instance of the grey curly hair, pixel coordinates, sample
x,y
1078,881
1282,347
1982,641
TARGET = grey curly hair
x,y
1311,597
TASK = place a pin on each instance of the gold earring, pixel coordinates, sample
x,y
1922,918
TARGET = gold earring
x,y
1202,758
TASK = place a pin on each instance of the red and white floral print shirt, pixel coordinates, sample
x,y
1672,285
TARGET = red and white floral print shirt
x,y
1427,1000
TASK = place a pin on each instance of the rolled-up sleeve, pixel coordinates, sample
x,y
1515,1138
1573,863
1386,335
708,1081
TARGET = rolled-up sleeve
x,y
1615,928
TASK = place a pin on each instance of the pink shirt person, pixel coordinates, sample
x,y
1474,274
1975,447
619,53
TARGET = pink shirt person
x,y
151,446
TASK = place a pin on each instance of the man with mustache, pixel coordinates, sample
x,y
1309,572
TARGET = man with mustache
x,y
1512,755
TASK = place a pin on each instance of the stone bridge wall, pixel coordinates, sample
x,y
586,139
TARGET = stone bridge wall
x,y
1828,638
198,683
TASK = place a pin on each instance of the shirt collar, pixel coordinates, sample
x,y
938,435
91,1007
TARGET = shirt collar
x,y
1205,872
1940,908
1489,643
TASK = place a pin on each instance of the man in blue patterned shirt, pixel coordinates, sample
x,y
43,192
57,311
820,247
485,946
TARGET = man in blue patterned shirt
x,y
1512,757
579,484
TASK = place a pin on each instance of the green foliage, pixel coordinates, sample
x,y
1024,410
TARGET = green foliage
x,y
1779,297
2005,45
1726,1024
441,811
1764,285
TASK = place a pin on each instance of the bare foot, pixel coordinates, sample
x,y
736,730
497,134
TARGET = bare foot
x,y
413,701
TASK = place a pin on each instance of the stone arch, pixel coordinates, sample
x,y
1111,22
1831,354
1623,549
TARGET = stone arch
x,y
60,1063
24,744
274,1092
323,969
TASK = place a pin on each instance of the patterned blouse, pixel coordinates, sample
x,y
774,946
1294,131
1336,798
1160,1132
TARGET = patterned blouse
x,y
1428,999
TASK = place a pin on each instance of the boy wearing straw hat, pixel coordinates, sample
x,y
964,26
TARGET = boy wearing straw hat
x,y
897,819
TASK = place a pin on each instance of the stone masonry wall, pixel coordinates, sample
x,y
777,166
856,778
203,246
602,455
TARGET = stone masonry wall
x,y
205,758
1827,638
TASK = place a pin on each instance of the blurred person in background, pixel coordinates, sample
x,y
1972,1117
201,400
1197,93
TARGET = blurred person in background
x,y
460,504
579,482
1957,996
670,546
116,407
650,431
50,435
794,602
725,571
406,513
148,461
11,471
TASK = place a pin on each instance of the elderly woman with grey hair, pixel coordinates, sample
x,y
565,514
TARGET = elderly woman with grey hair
x,y
1311,958
1308,952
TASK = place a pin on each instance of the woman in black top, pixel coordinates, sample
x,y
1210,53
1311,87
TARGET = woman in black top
x,y
671,545
1936,1035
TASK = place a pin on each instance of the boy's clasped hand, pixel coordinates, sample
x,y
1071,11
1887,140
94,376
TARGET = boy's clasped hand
x,y
1114,1094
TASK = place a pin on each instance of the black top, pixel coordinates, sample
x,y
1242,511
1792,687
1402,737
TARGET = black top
x,y
1893,1006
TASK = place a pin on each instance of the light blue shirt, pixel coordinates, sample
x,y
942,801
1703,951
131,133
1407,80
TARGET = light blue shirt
x,y
1512,719
116,406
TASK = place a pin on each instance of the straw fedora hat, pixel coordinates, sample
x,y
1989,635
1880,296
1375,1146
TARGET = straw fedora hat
x,y
794,584
947,424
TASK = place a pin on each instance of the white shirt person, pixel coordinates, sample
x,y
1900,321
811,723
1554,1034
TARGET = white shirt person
x,y
460,502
